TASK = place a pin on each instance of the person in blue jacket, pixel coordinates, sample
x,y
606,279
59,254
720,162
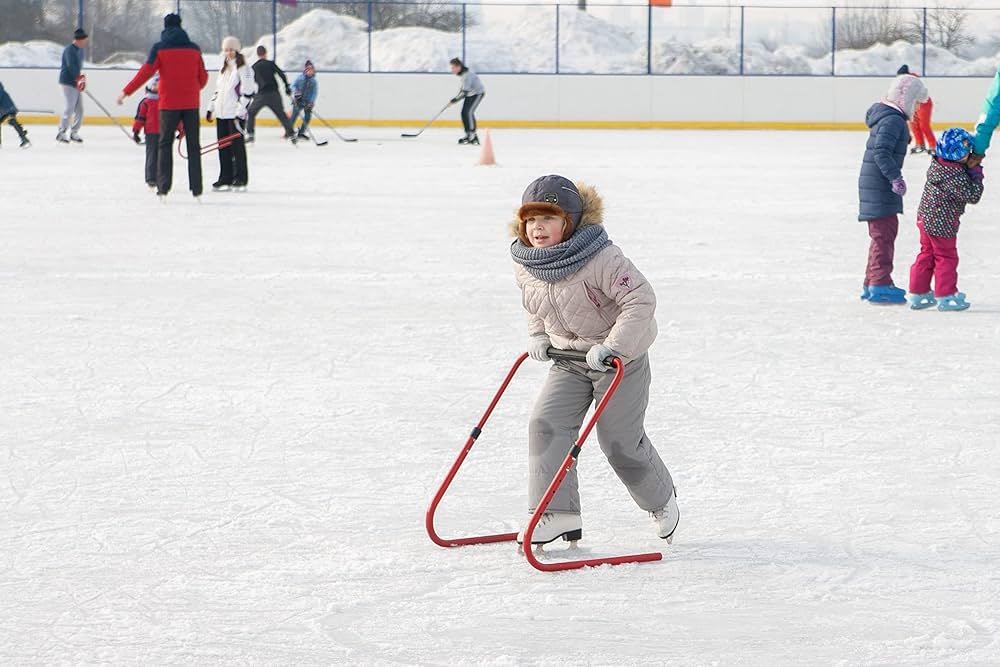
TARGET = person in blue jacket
x,y
8,114
988,121
881,186
305,90
73,83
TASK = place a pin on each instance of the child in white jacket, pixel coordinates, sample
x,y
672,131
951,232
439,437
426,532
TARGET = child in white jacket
x,y
233,91
582,293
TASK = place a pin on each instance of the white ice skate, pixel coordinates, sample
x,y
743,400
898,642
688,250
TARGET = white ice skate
x,y
667,519
554,525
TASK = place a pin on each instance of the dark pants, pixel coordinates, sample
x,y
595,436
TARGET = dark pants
x,y
165,160
307,114
469,113
12,119
882,249
272,101
152,151
232,158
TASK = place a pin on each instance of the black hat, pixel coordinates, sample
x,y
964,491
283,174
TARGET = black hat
x,y
172,21
80,33
905,69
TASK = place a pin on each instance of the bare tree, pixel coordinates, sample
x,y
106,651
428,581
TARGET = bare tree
x,y
405,13
861,28
948,27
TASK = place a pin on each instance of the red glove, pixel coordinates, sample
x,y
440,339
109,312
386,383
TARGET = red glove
x,y
81,83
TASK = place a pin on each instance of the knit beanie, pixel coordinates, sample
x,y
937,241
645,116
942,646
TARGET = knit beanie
x,y
554,195
905,69
230,42
906,92
172,21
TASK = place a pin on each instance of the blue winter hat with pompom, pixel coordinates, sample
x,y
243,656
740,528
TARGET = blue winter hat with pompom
x,y
954,144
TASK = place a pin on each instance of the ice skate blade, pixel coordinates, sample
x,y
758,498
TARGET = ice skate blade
x,y
570,536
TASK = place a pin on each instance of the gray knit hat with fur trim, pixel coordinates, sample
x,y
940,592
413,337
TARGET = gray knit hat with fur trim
x,y
556,193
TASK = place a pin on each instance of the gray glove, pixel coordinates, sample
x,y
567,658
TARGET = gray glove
x,y
538,347
598,355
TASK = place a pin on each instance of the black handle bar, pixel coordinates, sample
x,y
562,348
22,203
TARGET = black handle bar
x,y
571,355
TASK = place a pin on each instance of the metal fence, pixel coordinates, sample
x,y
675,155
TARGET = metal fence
x,y
578,38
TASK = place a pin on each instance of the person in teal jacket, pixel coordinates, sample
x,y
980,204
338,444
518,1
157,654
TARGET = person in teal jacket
x,y
988,119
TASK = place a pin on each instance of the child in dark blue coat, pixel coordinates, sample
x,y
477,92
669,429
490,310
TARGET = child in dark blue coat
x,y
881,186
8,113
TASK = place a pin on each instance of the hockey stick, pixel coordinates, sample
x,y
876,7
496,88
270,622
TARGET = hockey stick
x,y
429,123
108,114
310,134
339,135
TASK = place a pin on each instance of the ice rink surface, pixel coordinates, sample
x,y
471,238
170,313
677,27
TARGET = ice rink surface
x,y
221,422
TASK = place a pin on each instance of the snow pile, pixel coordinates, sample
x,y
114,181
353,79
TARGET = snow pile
x,y
331,41
522,39
887,58
37,53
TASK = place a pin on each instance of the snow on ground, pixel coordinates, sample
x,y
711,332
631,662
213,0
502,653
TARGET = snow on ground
x,y
522,39
222,422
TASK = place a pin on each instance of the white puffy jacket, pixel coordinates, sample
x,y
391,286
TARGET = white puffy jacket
x,y
233,89
607,301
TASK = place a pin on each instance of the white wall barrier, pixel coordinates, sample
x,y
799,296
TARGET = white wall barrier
x,y
563,100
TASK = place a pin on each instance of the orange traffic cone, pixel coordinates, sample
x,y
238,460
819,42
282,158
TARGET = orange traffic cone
x,y
486,154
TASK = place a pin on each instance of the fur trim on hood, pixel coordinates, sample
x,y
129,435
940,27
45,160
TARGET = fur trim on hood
x,y
593,212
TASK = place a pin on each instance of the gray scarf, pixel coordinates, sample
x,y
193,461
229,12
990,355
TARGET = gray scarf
x,y
554,263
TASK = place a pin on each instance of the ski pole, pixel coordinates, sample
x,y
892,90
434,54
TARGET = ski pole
x,y
339,135
108,114
429,123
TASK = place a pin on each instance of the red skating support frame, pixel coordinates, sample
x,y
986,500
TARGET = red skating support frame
x,y
549,493
224,142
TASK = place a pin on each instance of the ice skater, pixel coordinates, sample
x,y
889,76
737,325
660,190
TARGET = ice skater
x,y
305,90
924,140
8,114
951,185
881,186
264,73
73,83
147,119
987,122
182,76
233,91
582,293
471,94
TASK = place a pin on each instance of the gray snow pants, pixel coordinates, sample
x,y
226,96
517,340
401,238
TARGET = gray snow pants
x,y
73,110
569,391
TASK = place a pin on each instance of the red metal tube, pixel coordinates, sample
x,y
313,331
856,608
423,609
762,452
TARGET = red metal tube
x,y
429,520
557,481
214,146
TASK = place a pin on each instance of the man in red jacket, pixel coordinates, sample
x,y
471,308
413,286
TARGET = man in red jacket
x,y
182,76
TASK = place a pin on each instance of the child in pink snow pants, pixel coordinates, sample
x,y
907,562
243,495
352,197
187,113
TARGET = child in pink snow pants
x,y
582,293
881,186
951,184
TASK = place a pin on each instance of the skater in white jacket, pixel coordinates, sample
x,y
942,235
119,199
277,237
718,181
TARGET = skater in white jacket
x,y
583,294
234,88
